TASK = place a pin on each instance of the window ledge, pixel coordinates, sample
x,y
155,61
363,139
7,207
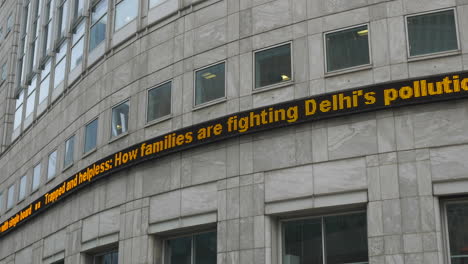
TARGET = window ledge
x,y
115,138
434,55
86,154
272,87
210,103
67,167
348,70
158,120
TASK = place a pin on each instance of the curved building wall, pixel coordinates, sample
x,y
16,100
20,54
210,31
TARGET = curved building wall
x,y
401,167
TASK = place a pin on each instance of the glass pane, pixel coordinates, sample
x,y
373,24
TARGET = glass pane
x,y
18,118
457,222
302,242
346,238
44,90
69,149
63,19
273,66
79,32
36,177
159,102
179,251
91,136
120,119
78,8
30,102
347,48
59,73
125,12
432,33
98,11
97,33
210,84
205,248
62,51
4,71
46,69
154,3
22,188
1,202
11,196
76,54
51,168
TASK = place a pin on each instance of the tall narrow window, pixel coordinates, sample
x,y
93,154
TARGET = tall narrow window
x,y
36,181
35,35
9,23
60,63
69,149
330,239
19,111
22,188
97,32
159,102
457,221
1,203
47,29
11,197
125,12
347,48
52,165
90,140
31,100
432,33
45,82
210,84
196,249
78,9
4,72
273,66
77,48
1,34
62,19
119,124
22,63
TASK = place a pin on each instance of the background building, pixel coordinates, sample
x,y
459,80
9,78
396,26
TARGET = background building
x,y
81,80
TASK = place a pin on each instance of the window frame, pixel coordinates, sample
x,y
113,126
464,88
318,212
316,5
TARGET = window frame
x,y
48,166
181,235
112,137
116,3
9,27
162,118
435,54
74,43
353,68
91,150
22,198
214,101
33,190
65,165
275,85
284,219
90,25
8,208
445,233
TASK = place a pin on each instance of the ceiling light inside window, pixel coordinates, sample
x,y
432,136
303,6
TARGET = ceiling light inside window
x,y
208,75
118,126
363,32
285,77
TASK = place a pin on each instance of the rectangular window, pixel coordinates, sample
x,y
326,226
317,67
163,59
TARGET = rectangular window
x,y
329,239
4,72
111,257
78,8
456,223
1,202
97,32
60,65
19,111
45,82
77,48
210,84
52,165
119,124
23,64
62,20
125,12
9,23
347,48
35,31
1,34
273,66
11,197
36,177
22,188
432,33
159,102
47,29
195,249
90,140
31,100
69,149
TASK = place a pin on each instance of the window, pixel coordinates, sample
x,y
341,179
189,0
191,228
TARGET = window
x,y
19,111
111,257
31,100
36,181
1,34
78,8
78,42
432,33
22,63
273,66
210,84
22,188
90,140
4,72
69,149
34,47
60,65
330,239
11,197
98,24
119,124
45,82
62,20
195,249
52,165
47,29
347,48
125,12
9,23
1,202
153,3
159,102
457,221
